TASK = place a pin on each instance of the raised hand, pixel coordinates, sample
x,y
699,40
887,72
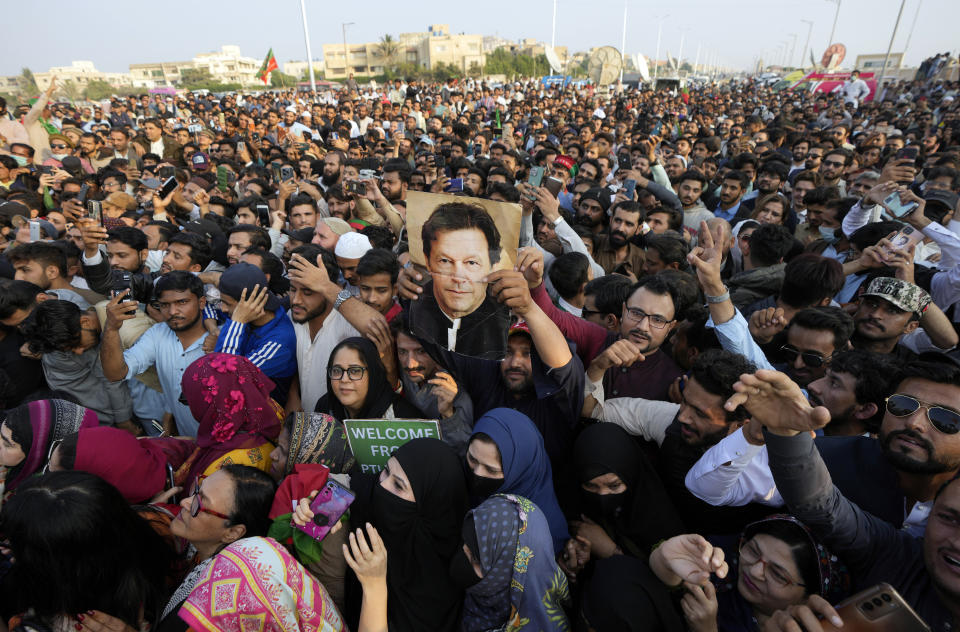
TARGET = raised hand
x,y
774,400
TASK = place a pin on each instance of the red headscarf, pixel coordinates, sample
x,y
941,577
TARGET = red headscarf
x,y
136,467
230,397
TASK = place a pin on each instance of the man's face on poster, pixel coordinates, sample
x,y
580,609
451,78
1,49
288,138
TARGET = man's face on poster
x,y
459,261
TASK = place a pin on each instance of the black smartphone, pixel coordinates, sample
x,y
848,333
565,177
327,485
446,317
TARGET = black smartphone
x,y
255,137
624,163
910,152
168,186
553,185
263,213
82,195
358,188
439,161
286,173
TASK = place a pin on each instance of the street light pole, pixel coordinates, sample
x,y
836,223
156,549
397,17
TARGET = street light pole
x,y
793,50
892,35
306,38
656,61
553,31
803,58
346,64
836,17
683,34
623,43
910,34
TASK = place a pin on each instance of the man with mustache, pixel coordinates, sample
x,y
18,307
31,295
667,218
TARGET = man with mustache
x,y
614,251
889,309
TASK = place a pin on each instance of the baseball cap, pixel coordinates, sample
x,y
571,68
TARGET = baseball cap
x,y
947,198
520,327
426,139
10,209
244,276
567,162
203,227
200,161
304,235
902,294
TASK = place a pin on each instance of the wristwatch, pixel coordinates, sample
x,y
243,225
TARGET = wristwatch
x,y
341,297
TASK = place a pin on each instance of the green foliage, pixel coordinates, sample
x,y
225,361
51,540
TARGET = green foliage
x,y
278,79
28,84
98,89
503,62
475,70
388,50
201,79
443,72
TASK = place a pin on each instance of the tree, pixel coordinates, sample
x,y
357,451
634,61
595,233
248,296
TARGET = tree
x,y
444,72
191,78
278,79
474,70
71,89
388,49
99,89
28,84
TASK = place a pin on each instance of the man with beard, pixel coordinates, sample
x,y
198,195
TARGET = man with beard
x,y
920,438
889,309
333,164
615,252
188,252
734,186
170,346
592,209
432,389
322,316
127,250
798,153
690,187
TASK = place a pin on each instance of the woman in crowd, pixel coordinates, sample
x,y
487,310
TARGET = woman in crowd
x,y
771,209
136,467
507,569
506,456
239,422
417,505
310,438
625,596
30,431
623,506
778,565
230,504
77,547
357,385
256,579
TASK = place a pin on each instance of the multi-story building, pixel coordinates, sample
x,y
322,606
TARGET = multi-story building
x,y
426,50
299,68
227,65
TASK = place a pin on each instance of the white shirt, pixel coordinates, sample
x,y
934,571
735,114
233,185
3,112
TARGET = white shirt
x,y
567,307
156,147
314,355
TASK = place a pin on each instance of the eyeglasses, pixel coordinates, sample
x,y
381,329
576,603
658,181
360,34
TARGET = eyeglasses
x,y
810,359
57,146
750,555
355,373
832,163
943,419
196,505
656,321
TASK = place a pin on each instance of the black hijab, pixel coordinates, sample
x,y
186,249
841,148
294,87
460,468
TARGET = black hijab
x,y
380,395
638,518
420,537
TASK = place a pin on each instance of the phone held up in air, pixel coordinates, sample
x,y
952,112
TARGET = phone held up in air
x,y
328,507
168,187
95,211
897,207
629,187
535,178
877,609
553,185
286,173
454,185
910,152
902,240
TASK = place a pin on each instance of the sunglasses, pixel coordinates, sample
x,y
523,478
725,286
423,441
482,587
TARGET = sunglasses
x,y
943,419
196,505
811,360
58,146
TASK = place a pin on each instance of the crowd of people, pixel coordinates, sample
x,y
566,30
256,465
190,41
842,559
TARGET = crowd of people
x,y
715,387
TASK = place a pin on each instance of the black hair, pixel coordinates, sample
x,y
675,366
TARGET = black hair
x,y
399,166
459,216
270,264
873,373
507,191
739,176
179,281
774,167
670,249
167,230
660,286
675,221
310,252
55,326
738,162
801,545
67,451
129,236
717,370
53,574
200,250
46,254
769,244
939,372
699,336
16,295
569,273
610,292
694,174
259,237
832,319
686,287
253,497
846,154
821,195
21,431
377,260
809,278
379,236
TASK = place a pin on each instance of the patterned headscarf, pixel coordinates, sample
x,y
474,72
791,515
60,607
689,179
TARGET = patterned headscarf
x,y
318,438
51,420
255,584
522,585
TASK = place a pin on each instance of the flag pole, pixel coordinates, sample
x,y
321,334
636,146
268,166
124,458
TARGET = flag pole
x,y
306,38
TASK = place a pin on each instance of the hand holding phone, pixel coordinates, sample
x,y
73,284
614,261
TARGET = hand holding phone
x,y
896,206
328,507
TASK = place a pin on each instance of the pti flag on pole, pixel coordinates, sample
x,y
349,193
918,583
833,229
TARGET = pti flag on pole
x,y
269,65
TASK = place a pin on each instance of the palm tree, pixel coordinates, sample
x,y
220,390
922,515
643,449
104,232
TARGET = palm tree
x,y
387,50
28,84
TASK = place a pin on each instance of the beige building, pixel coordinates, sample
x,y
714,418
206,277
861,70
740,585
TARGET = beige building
x,y
227,65
426,49
298,68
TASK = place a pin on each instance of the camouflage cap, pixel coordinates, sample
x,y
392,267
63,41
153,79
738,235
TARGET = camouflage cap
x,y
903,294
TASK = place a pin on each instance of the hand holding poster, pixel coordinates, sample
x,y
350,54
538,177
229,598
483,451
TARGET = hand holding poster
x,y
373,441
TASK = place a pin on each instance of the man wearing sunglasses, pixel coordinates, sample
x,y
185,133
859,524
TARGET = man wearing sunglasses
x,y
921,436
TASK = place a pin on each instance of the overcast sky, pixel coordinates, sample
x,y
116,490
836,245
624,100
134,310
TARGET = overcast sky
x,y
55,33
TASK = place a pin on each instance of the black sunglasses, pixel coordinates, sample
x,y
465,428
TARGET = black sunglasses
x,y
943,419
811,360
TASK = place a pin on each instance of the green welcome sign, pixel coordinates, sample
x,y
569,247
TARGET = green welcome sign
x,y
373,441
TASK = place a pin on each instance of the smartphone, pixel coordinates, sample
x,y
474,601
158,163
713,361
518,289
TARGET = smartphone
x,y
166,172
286,173
906,236
255,137
241,146
910,152
171,484
222,172
46,170
95,210
624,163
194,129
629,187
877,609
535,178
263,213
454,185
896,206
439,161
121,282
358,188
553,185
168,186
34,230
82,195
328,507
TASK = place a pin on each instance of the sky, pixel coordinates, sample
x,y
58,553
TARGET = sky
x,y
735,32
